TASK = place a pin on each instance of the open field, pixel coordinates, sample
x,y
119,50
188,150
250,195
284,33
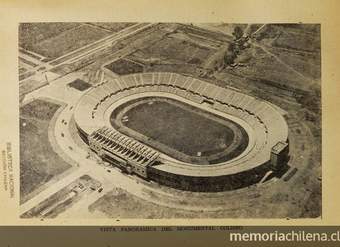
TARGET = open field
x,y
124,67
297,37
119,47
38,163
53,40
307,64
113,27
68,41
183,131
30,34
30,85
175,50
285,56
263,67
212,35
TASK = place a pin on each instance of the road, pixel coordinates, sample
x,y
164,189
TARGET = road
x,y
90,48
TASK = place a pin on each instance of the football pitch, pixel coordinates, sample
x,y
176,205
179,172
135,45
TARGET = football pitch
x,y
180,130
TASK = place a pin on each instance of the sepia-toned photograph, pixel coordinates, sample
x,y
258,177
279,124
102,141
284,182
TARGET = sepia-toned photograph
x,y
127,120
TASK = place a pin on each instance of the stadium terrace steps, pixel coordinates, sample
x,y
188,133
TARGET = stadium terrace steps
x,y
266,123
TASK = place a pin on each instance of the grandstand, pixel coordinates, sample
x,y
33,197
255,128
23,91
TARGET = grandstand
x,y
132,156
264,125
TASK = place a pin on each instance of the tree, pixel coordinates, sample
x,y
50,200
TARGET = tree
x,y
229,57
238,32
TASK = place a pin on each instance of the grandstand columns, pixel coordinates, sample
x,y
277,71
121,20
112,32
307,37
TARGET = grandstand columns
x,y
279,155
116,161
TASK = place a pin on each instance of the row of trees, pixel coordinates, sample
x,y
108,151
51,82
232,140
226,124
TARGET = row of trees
x,y
235,47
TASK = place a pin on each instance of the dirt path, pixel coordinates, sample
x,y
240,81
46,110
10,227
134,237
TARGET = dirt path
x,y
305,78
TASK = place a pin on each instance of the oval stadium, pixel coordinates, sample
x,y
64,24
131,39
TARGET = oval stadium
x,y
183,132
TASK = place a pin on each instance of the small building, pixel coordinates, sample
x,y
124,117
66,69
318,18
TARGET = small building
x,y
279,155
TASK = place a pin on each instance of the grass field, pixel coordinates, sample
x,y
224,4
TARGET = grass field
x,y
69,40
113,26
79,85
301,37
264,67
124,67
53,40
30,85
182,131
284,57
32,33
38,161
176,50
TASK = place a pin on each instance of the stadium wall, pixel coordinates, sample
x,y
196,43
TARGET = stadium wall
x,y
209,184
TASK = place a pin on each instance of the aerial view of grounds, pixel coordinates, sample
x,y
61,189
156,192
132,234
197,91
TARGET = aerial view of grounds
x,y
125,120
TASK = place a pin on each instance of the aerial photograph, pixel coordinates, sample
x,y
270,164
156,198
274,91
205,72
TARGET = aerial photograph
x,y
132,120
